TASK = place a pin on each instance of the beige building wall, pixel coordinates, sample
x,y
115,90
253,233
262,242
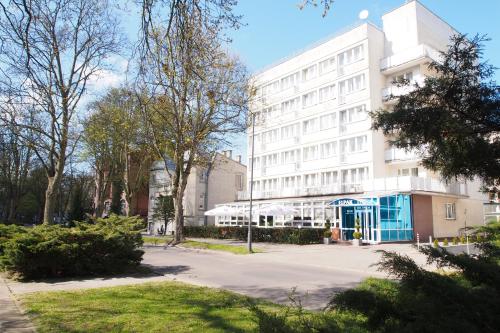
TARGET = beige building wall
x,y
469,210
226,176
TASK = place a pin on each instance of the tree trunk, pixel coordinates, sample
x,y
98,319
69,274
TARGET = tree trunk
x,y
50,195
179,215
13,200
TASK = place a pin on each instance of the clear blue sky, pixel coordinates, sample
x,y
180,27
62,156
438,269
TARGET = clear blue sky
x,y
277,28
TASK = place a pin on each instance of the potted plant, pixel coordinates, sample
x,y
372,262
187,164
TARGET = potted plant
x,y
327,237
357,234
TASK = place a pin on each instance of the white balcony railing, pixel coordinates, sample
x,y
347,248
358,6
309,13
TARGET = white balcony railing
x,y
419,52
396,154
404,184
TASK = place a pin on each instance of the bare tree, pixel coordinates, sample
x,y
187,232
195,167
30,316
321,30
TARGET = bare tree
x,y
49,51
198,93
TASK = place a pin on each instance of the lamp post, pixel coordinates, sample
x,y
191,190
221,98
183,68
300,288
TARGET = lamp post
x,y
251,186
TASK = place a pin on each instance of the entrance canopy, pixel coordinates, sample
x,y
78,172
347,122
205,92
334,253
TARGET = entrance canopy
x,y
348,202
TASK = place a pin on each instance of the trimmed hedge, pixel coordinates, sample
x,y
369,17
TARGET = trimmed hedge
x,y
107,246
271,235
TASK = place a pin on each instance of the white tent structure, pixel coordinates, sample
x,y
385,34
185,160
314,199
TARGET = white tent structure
x,y
223,211
275,210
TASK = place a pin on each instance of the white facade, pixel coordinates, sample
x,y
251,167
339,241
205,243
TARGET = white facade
x,y
313,136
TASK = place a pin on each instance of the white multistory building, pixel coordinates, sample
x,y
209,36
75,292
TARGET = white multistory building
x,y
315,149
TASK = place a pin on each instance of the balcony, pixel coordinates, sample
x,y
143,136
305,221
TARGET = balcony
x,y
413,56
400,155
390,184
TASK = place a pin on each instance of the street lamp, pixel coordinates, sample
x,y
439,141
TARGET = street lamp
x,y
251,186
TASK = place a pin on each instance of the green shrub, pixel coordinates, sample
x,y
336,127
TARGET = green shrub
x,y
463,239
435,243
107,246
7,232
327,234
272,235
455,241
445,242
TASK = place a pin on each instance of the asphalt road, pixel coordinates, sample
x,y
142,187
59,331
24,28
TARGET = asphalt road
x,y
272,275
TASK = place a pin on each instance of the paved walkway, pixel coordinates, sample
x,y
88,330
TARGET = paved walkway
x,y
317,271
12,320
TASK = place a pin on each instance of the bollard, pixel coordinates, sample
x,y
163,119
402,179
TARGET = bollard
x,y
430,240
418,241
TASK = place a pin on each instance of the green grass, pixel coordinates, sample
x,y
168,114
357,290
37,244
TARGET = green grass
x,y
160,240
235,249
152,307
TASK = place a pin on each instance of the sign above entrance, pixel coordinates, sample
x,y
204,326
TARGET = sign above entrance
x,y
352,202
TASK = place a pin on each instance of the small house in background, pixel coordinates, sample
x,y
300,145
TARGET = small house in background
x,y
216,183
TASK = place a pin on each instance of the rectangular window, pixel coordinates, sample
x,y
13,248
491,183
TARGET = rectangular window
x,y
326,93
289,131
290,105
238,180
414,172
290,81
450,211
328,149
201,204
408,76
290,156
328,121
309,73
350,56
352,115
354,145
326,66
291,182
270,112
329,178
270,136
310,180
352,85
271,88
309,126
309,99
271,159
310,153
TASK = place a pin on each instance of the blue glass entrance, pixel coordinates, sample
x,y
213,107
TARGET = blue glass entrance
x,y
396,218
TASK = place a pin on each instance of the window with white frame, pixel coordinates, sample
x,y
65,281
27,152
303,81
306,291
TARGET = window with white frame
x,y
451,213
270,112
408,76
271,88
309,99
408,171
354,176
290,156
290,105
350,56
326,93
351,85
309,126
328,178
289,131
311,180
328,149
256,162
328,121
351,115
256,185
326,66
309,73
271,159
270,184
290,81
270,136
354,145
291,182
310,153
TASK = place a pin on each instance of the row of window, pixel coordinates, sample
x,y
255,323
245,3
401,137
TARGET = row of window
x,y
324,150
324,122
314,97
312,71
322,179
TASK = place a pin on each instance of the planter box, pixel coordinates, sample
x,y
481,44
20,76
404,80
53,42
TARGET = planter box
x,y
327,241
357,242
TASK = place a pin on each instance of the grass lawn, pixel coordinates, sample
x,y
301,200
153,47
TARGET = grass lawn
x,y
160,240
236,249
152,307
